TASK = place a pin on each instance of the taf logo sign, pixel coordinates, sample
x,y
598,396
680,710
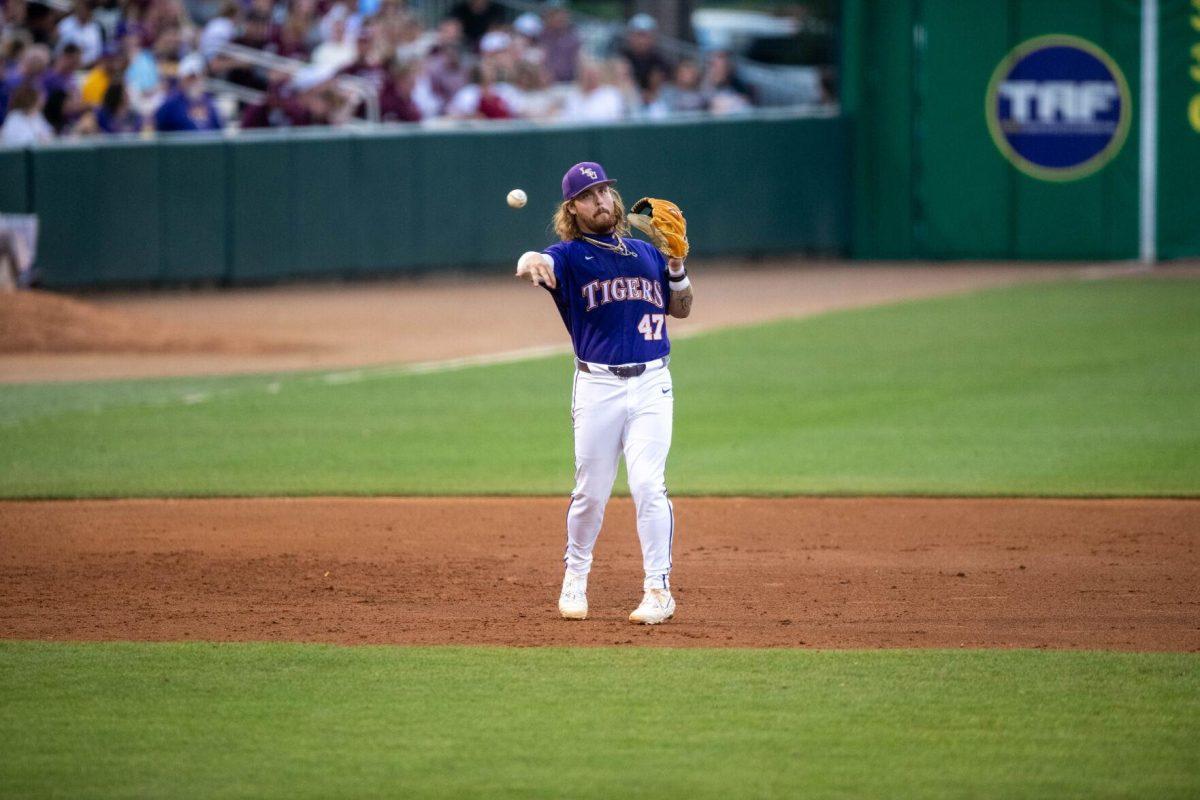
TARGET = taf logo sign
x,y
1058,108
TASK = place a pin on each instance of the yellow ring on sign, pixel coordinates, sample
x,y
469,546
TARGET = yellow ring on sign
x,y
1057,174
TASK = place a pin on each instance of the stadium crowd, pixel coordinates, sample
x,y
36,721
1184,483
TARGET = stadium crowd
x,y
130,66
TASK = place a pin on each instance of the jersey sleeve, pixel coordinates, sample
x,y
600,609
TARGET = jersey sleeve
x,y
558,254
664,279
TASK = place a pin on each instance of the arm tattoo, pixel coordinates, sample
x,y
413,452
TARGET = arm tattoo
x,y
681,303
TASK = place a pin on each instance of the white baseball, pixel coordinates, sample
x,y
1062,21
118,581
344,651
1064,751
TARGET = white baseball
x,y
517,198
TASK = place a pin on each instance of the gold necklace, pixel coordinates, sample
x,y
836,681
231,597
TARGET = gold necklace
x,y
620,248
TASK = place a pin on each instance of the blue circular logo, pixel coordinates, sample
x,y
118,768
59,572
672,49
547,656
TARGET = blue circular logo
x,y
1058,108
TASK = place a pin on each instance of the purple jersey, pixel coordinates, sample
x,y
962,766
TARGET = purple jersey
x,y
614,306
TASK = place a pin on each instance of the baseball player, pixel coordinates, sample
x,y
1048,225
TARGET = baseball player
x,y
614,294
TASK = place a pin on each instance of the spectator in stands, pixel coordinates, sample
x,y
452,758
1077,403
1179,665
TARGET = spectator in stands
x,y
108,69
527,30
168,16
10,53
169,49
115,114
339,50
141,79
322,103
684,94
477,17
592,99
560,41
220,30
396,102
539,99
339,12
40,21
24,123
81,29
12,19
653,103
409,41
445,72
620,74
12,45
292,37
725,92
487,96
257,32
188,107
496,49
60,90
280,108
35,60
32,61
641,49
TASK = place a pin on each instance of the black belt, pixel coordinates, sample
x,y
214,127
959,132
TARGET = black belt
x,y
621,372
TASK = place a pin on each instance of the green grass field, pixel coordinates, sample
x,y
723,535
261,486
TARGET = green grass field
x,y
1070,389
196,720
1067,389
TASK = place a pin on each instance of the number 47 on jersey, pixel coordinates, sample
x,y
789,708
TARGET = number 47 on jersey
x,y
651,326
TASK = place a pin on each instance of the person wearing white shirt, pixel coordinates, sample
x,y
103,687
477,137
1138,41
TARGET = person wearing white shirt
x,y
591,100
84,31
25,124
339,50
220,30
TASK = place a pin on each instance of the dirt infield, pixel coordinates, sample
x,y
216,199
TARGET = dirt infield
x,y
147,334
1112,574
47,325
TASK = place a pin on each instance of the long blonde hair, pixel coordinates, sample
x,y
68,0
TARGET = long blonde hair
x,y
567,227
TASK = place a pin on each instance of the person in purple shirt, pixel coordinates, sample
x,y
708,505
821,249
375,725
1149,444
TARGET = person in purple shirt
x,y
30,68
115,114
188,107
58,85
614,294
560,42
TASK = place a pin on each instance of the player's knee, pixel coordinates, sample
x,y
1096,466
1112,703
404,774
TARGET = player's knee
x,y
588,499
648,491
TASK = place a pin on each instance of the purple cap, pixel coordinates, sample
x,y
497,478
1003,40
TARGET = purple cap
x,y
583,175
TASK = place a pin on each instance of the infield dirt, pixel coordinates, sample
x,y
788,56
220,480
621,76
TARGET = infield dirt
x,y
799,572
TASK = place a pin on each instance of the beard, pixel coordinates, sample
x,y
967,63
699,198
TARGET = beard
x,y
601,222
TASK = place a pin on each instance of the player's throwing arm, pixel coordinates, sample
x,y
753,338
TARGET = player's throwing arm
x,y
614,294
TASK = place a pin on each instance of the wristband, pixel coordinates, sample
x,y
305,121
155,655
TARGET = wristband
x,y
678,285
677,276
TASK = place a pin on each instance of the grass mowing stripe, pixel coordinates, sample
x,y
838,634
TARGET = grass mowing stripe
x,y
24,402
281,720
1067,389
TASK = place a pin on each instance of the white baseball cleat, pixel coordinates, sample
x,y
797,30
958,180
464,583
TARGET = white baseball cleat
x,y
657,606
572,603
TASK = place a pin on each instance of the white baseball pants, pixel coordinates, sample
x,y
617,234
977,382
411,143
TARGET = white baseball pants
x,y
615,416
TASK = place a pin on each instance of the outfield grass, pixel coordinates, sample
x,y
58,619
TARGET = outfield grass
x,y
1080,388
270,720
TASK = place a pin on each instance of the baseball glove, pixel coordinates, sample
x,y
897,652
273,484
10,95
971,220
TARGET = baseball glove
x,y
663,224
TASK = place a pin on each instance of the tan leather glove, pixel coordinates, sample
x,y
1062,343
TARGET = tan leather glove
x,y
663,224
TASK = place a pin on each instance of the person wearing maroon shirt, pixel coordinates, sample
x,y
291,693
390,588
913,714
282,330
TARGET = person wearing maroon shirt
x,y
395,100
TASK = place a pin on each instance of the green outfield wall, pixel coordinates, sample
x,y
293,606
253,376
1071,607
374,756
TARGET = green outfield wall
x,y
300,203
931,178
1179,130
